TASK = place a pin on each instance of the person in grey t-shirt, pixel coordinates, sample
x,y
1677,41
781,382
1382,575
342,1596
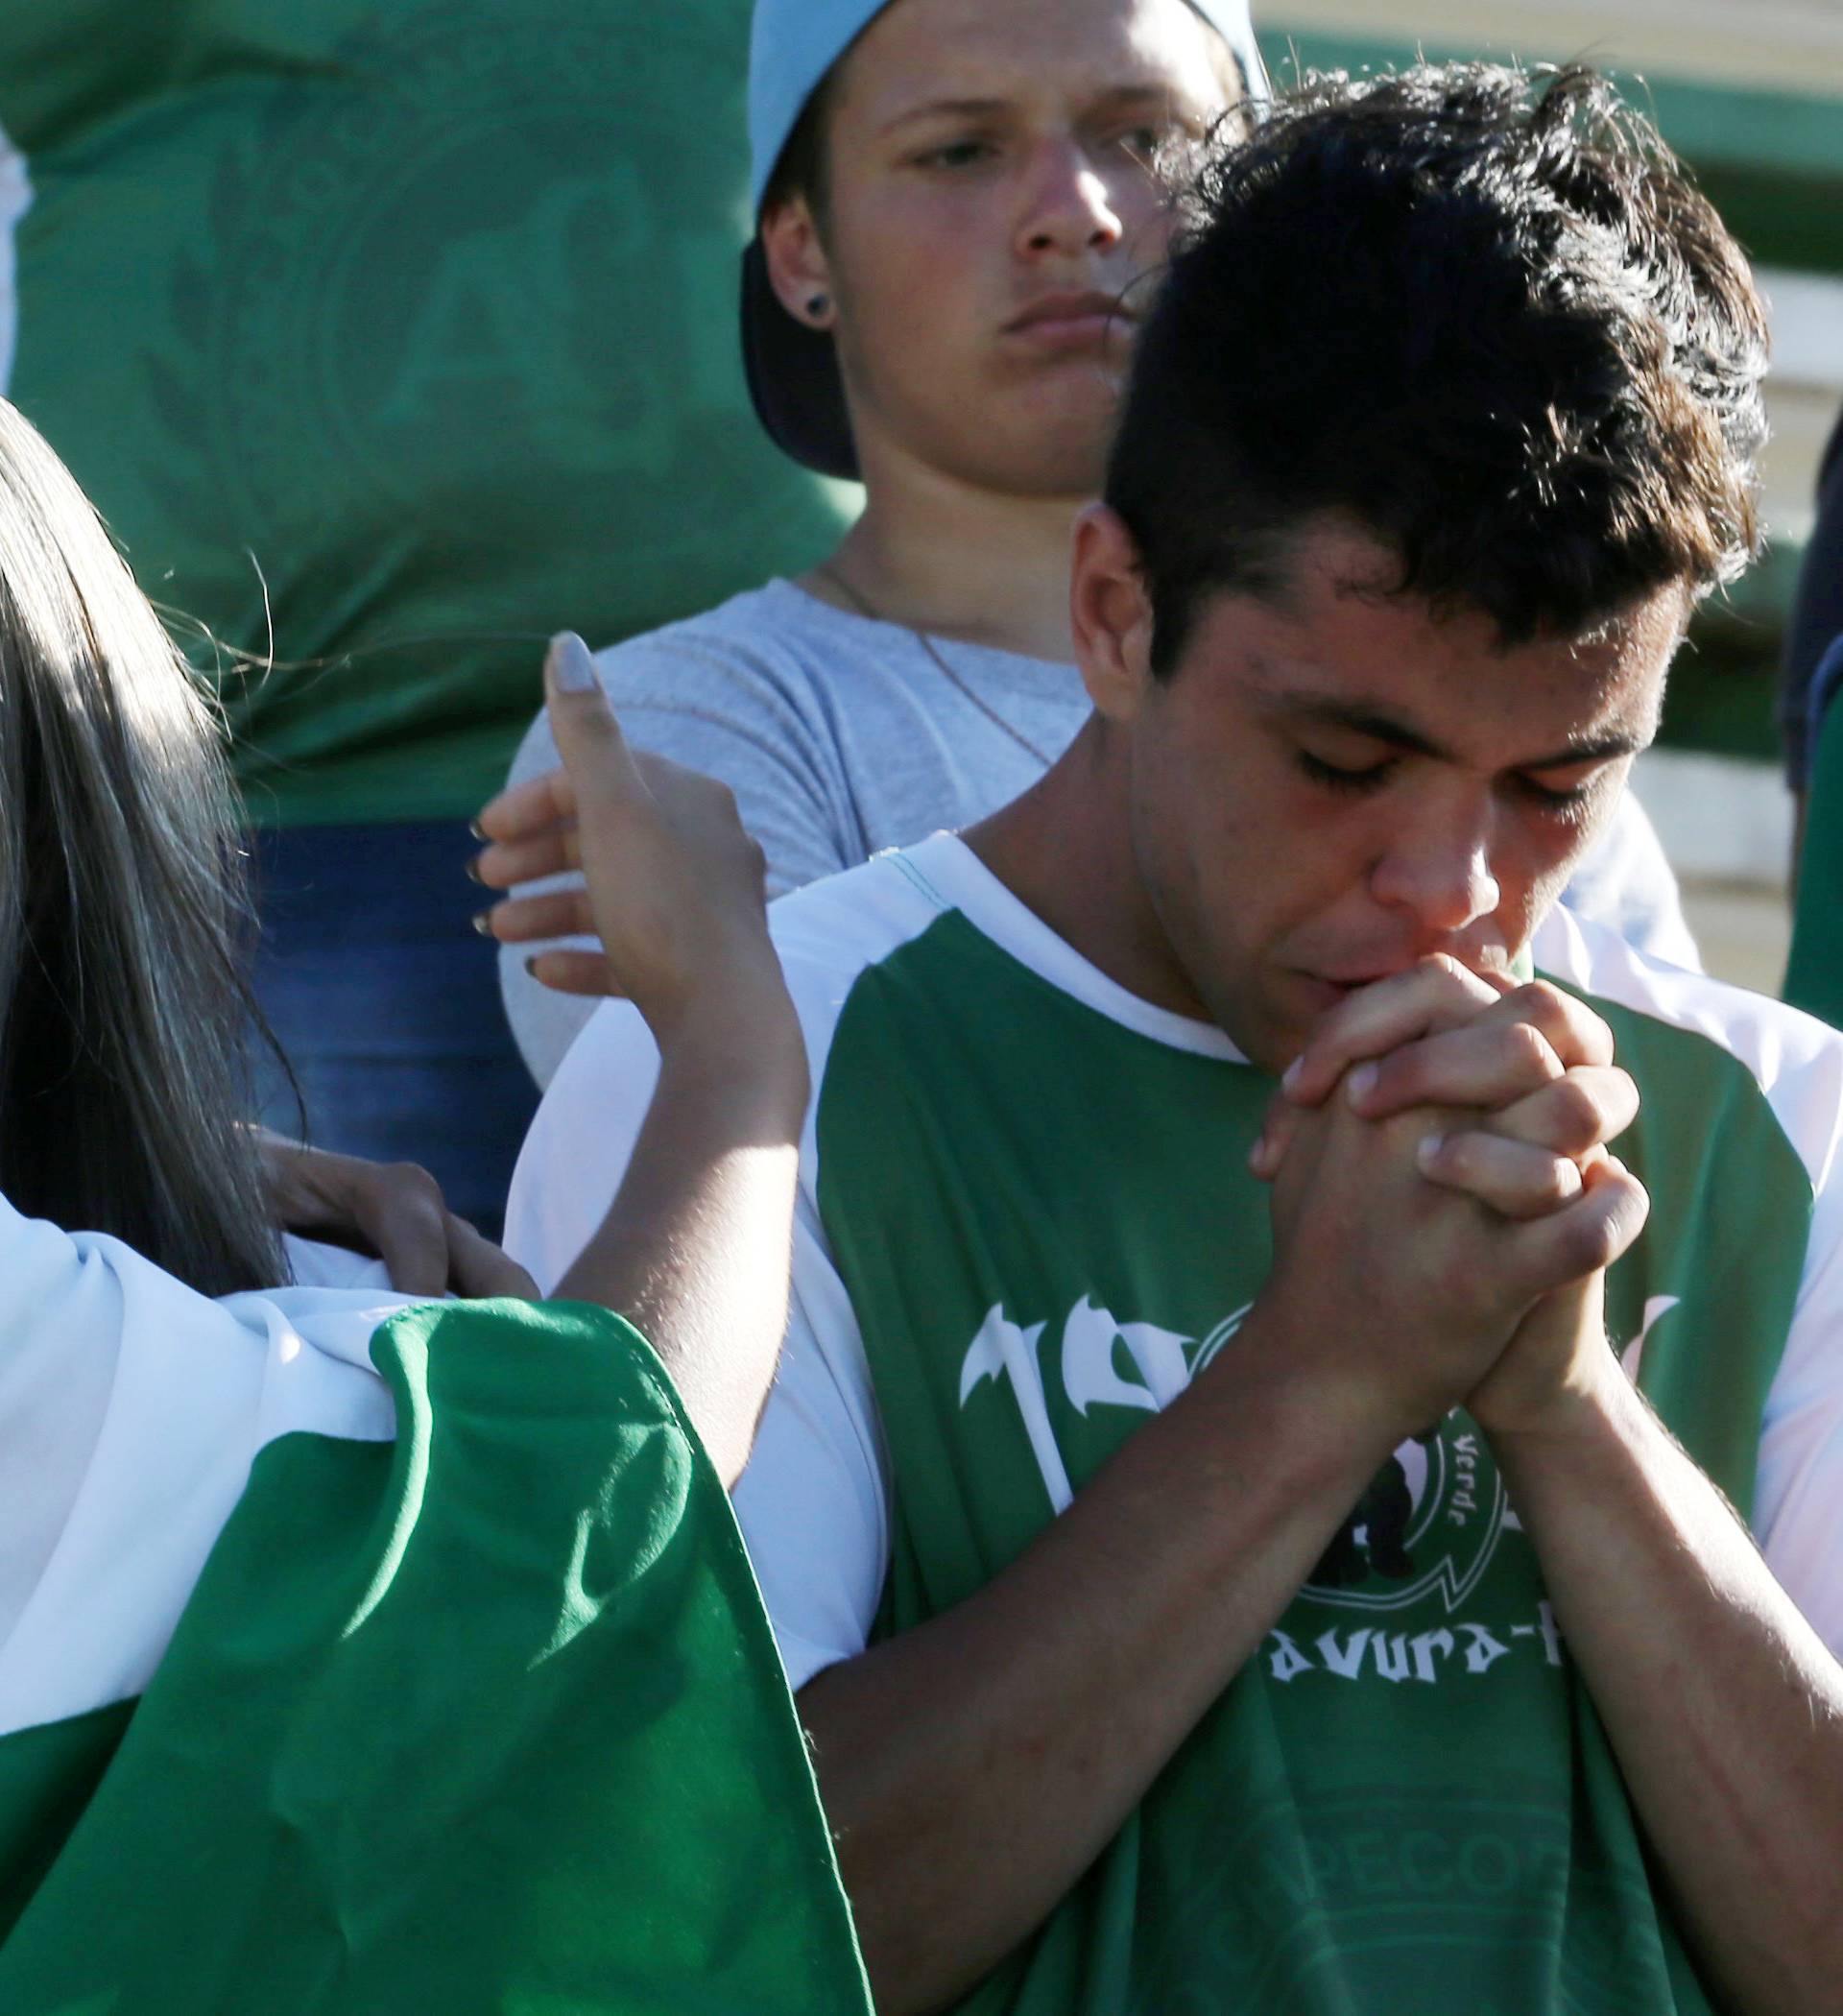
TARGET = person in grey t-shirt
x,y
958,216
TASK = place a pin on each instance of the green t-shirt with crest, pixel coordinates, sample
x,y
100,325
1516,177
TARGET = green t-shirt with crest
x,y
391,336
1027,1224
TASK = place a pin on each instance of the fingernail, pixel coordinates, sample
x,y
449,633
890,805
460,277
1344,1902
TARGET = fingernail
x,y
571,668
478,832
483,924
474,874
1289,1077
531,965
1428,1152
1361,1082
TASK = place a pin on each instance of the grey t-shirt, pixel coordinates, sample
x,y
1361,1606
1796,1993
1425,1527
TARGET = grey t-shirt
x,y
841,736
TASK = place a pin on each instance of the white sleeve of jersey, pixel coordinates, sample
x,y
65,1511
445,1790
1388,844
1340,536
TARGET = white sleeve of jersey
x,y
814,1502
580,1143
1798,1500
1798,1063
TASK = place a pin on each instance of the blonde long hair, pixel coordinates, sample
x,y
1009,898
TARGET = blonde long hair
x,y
124,1007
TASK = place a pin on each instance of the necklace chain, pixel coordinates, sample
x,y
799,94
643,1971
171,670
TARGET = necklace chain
x,y
865,607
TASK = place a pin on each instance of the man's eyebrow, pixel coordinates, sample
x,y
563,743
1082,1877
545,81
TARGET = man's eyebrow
x,y
1361,717
1126,94
1366,718
949,108
1599,748
1117,97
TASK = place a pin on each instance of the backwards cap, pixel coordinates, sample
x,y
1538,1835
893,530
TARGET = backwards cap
x,y
793,369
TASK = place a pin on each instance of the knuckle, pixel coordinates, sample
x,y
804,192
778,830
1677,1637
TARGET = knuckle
x,y
1591,1030
414,1181
1403,1076
1575,1111
1528,1050
1574,1023
1588,1242
1451,974
1568,1024
1544,1006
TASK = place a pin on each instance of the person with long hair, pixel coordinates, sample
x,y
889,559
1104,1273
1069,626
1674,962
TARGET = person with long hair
x,y
122,997
125,924
356,1652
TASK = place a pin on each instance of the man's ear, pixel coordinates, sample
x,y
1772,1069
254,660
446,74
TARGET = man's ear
x,y
798,269
1110,614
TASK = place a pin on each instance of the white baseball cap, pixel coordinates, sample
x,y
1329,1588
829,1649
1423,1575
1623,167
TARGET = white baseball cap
x,y
792,368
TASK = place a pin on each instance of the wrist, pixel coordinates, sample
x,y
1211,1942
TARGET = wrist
x,y
1593,1399
748,1038
1359,1395
744,991
1331,1418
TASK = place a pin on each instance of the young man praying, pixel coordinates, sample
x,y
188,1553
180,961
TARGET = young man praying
x,y
1246,1507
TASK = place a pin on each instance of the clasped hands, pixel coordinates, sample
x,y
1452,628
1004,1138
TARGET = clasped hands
x,y
1445,1204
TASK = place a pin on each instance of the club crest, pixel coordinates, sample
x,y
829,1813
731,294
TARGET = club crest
x,y
1427,1524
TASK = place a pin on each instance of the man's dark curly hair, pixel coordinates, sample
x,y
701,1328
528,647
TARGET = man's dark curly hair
x,y
1482,313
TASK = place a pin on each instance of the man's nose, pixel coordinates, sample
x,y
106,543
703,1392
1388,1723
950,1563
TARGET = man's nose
x,y
1441,875
1069,208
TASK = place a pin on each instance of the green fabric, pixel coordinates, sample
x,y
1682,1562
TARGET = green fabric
x,y
411,325
488,1718
1405,1801
1814,968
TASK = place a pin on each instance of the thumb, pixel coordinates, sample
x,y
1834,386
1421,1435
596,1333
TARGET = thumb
x,y
1276,1130
588,737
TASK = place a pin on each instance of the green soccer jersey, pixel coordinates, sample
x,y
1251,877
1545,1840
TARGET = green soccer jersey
x,y
1027,1224
391,336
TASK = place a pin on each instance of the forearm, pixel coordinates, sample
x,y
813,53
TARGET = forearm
x,y
694,1250
974,1768
1725,1710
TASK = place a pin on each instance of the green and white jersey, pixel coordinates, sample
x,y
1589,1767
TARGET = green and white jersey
x,y
1026,1224
357,1655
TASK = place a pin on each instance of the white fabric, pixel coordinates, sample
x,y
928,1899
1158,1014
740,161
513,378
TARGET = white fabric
x,y
312,1265
842,736
130,1410
814,1500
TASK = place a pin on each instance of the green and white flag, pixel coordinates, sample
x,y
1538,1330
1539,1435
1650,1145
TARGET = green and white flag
x,y
357,1656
